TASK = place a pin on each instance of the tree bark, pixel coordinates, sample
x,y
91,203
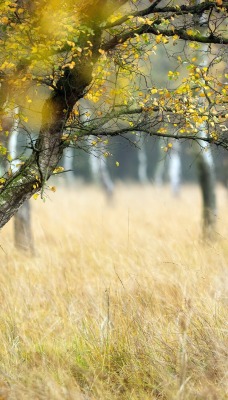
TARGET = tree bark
x,y
206,174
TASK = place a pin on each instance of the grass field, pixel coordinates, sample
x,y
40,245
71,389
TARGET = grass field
x,y
121,301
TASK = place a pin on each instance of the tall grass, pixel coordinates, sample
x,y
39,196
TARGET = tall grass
x,y
121,301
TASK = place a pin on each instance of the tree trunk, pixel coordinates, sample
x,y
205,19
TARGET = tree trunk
x,y
161,164
175,168
106,180
33,175
206,170
142,163
68,165
206,174
99,168
23,237
94,167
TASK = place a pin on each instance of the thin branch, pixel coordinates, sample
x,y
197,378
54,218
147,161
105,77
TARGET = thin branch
x,y
222,141
181,33
177,10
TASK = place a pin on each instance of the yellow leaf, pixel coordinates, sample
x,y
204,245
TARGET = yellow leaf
x,y
158,38
4,20
175,37
58,169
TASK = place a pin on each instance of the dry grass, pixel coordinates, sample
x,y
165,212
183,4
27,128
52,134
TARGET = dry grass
x,y
120,302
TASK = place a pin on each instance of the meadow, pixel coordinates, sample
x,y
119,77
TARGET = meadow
x,y
121,301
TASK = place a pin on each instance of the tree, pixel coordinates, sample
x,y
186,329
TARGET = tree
x,y
206,168
64,50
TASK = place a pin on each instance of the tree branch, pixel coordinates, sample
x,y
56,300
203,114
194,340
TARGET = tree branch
x,y
177,10
222,141
181,33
